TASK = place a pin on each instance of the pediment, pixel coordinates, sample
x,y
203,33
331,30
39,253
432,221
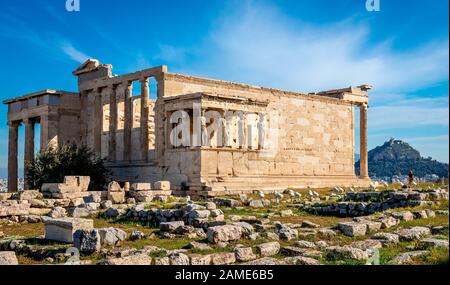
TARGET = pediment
x,y
88,66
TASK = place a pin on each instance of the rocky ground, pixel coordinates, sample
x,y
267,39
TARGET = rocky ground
x,y
330,226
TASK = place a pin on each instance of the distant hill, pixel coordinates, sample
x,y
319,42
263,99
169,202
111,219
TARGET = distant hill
x,y
396,157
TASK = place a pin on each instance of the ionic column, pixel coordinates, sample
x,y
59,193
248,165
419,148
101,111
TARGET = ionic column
x,y
128,124
112,123
12,156
363,160
144,118
84,126
98,122
49,131
29,148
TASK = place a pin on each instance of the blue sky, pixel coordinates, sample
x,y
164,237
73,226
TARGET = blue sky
x,y
403,50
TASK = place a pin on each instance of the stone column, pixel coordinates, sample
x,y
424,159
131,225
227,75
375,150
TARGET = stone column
x,y
83,119
29,148
128,124
98,122
112,123
12,156
363,161
49,131
144,118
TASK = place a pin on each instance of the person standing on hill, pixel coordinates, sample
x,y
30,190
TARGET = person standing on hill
x,y
410,178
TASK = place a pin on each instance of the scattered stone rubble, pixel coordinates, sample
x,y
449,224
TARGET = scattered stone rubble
x,y
367,203
68,222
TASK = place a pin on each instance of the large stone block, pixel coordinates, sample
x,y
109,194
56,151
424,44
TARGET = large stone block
x,y
8,258
224,233
141,187
14,208
352,229
71,184
162,185
64,228
116,197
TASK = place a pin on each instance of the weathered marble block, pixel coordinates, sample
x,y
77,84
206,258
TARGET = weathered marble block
x,y
162,185
64,228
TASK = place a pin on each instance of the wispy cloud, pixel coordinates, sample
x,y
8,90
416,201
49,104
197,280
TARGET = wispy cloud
x,y
260,45
73,53
171,53
53,43
412,113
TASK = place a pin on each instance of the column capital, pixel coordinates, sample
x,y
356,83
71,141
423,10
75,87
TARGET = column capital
x,y
144,80
13,124
28,121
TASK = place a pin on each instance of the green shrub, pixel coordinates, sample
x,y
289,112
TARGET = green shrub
x,y
52,164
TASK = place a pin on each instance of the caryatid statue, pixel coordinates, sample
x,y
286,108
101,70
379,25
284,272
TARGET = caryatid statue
x,y
225,132
204,130
261,131
243,131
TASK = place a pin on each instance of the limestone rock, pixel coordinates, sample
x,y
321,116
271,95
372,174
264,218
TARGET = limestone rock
x,y
210,206
305,244
199,246
432,242
388,222
116,197
87,240
170,226
268,248
79,212
352,229
367,244
140,187
263,261
223,258
244,254
92,199
407,257
179,259
386,238
111,236
285,232
64,228
8,258
246,228
113,186
136,235
403,215
414,233
198,259
113,213
224,233
136,259
308,224
300,260
29,195
162,185
326,233
346,252
162,261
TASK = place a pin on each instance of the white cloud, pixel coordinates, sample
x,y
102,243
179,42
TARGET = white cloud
x,y
412,113
260,45
170,53
73,53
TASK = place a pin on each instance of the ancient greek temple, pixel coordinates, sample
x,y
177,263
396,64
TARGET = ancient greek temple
x,y
205,136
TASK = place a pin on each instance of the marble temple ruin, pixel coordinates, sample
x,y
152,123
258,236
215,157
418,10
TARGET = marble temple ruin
x,y
204,136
